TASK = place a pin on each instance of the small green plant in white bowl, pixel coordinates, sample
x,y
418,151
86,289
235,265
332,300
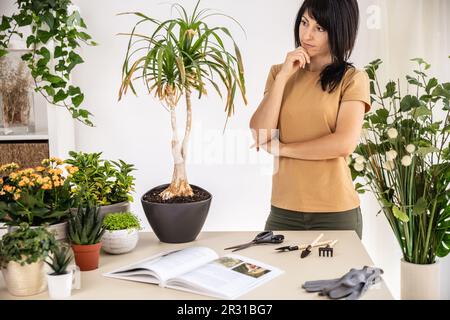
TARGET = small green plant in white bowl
x,y
63,276
122,232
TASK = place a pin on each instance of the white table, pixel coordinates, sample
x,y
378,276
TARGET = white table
x,y
348,253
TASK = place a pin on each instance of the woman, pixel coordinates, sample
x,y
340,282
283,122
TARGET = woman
x,y
316,100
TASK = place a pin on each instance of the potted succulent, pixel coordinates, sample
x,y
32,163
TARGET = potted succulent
x,y
36,196
404,158
122,232
181,56
62,276
22,255
106,183
85,234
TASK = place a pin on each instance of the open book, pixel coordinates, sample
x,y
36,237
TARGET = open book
x,y
199,270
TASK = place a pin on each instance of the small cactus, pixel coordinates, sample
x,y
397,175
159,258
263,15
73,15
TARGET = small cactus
x,y
86,227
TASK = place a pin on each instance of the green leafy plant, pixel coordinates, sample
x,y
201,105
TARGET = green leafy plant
x,y
100,181
121,221
85,227
50,20
26,245
404,158
34,195
60,259
182,55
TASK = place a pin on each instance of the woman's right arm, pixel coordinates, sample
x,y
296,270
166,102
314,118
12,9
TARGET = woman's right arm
x,y
264,121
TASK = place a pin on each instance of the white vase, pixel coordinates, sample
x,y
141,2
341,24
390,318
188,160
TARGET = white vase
x,y
60,286
420,281
119,241
25,280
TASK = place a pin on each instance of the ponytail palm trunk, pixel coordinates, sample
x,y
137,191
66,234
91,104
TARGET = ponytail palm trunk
x,y
180,56
179,185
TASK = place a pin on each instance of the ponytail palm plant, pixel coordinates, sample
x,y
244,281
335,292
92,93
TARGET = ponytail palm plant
x,y
181,56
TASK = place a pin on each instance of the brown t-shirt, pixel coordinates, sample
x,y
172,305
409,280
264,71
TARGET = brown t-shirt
x,y
307,113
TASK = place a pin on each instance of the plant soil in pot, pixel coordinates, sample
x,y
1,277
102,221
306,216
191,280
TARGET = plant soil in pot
x,y
178,219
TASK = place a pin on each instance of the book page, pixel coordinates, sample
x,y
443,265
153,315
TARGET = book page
x,y
165,265
228,277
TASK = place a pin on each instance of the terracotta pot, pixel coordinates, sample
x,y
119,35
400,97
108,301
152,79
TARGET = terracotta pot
x,y
25,280
87,256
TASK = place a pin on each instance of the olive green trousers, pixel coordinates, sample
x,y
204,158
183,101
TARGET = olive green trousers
x,y
282,219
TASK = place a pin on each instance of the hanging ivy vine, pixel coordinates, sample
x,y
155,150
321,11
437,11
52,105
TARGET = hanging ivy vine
x,y
50,65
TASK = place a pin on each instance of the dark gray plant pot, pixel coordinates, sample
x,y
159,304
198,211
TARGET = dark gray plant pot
x,y
176,222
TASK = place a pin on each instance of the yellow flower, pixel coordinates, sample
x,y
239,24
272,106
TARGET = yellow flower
x,y
40,169
9,166
16,196
56,160
55,178
8,188
2,193
22,183
13,176
1,181
46,186
28,171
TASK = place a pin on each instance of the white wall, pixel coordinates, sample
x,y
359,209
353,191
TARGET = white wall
x,y
137,130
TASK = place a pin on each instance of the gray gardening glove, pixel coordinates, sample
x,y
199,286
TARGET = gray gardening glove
x,y
352,291
351,286
320,285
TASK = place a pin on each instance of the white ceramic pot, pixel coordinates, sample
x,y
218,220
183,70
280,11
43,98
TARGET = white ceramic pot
x,y
58,229
119,241
420,281
26,280
112,208
60,286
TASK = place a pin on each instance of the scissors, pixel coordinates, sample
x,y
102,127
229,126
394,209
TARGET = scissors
x,y
261,238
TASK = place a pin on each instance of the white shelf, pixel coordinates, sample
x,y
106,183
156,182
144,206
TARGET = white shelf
x,y
20,137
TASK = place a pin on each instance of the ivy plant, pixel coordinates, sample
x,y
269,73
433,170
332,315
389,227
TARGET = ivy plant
x,y
26,245
50,65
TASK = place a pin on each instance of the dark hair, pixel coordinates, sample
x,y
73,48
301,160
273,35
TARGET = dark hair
x,y
340,18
